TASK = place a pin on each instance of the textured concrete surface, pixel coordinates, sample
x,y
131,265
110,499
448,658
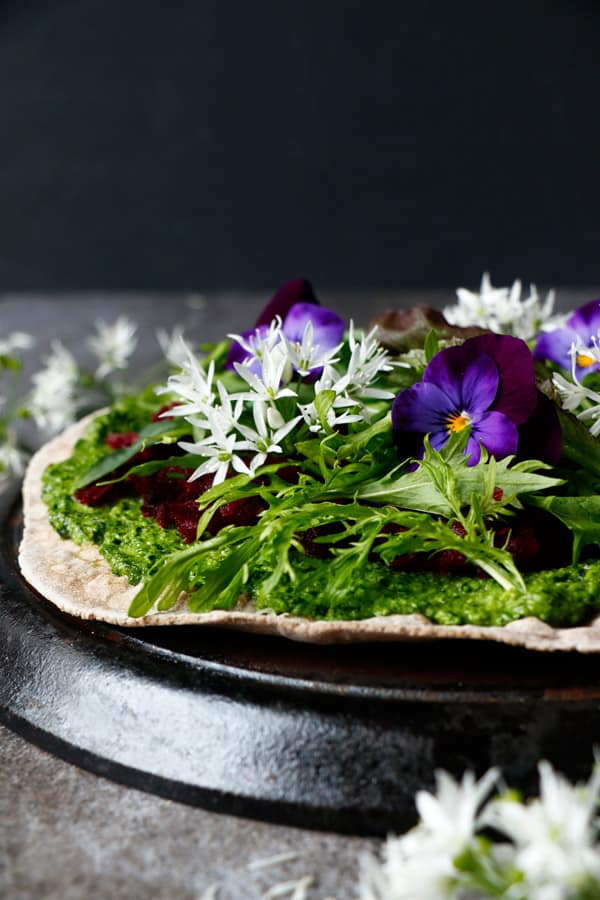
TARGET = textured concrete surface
x,y
65,833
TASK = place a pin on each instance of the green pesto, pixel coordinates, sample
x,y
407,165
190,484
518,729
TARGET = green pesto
x,y
133,545
130,543
560,597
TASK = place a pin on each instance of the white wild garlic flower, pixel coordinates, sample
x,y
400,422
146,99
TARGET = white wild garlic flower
x,y
554,836
576,396
15,342
502,310
173,346
306,356
270,384
220,449
420,864
113,345
192,387
269,431
53,401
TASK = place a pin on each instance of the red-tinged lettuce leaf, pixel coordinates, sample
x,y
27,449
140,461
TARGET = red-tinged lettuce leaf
x,y
404,329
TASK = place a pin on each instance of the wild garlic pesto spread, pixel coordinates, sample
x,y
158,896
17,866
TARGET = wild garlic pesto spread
x,y
133,545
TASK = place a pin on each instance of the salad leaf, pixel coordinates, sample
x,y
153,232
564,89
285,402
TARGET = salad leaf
x,y
579,445
580,514
153,433
358,520
182,461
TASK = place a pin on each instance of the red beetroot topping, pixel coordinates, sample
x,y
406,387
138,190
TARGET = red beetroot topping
x,y
167,495
536,540
117,440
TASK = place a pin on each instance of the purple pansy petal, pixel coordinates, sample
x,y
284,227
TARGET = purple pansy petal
x,y
468,378
473,450
439,439
479,386
447,369
498,434
328,327
517,394
541,436
586,320
299,290
422,408
555,346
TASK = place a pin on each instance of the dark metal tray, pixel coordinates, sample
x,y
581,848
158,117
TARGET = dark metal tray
x,y
326,737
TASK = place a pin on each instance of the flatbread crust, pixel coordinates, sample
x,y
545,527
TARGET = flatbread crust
x,y
78,580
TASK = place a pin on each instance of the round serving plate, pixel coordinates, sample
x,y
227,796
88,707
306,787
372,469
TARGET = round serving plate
x,y
325,737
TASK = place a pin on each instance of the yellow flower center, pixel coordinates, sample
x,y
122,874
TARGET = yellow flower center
x,y
584,360
458,421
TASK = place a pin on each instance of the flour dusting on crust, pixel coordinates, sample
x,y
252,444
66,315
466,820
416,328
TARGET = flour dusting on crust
x,y
78,580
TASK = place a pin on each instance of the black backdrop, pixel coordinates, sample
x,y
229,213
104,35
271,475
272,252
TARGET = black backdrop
x,y
214,143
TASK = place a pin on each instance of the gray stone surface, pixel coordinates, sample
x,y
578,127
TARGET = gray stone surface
x,y
65,833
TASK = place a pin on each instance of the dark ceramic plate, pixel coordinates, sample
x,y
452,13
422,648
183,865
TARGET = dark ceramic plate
x,y
324,737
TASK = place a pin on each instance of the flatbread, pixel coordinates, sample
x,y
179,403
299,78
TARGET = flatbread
x,y
78,580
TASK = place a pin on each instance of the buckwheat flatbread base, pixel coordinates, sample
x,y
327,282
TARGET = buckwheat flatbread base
x,y
78,580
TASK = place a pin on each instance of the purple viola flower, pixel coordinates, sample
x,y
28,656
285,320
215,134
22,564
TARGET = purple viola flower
x,y
487,383
299,290
328,327
581,328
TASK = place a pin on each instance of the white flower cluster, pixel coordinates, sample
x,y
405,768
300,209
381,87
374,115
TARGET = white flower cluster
x,y
551,854
12,458
502,310
53,399
59,392
172,345
15,342
573,394
243,428
113,345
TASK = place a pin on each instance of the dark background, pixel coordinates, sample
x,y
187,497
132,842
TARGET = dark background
x,y
201,144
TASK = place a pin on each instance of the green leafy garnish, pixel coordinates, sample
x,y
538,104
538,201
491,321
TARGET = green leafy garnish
x,y
444,505
166,431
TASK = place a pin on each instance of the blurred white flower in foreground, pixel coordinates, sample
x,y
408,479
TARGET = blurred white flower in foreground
x,y
113,344
552,854
420,864
553,835
502,310
53,399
